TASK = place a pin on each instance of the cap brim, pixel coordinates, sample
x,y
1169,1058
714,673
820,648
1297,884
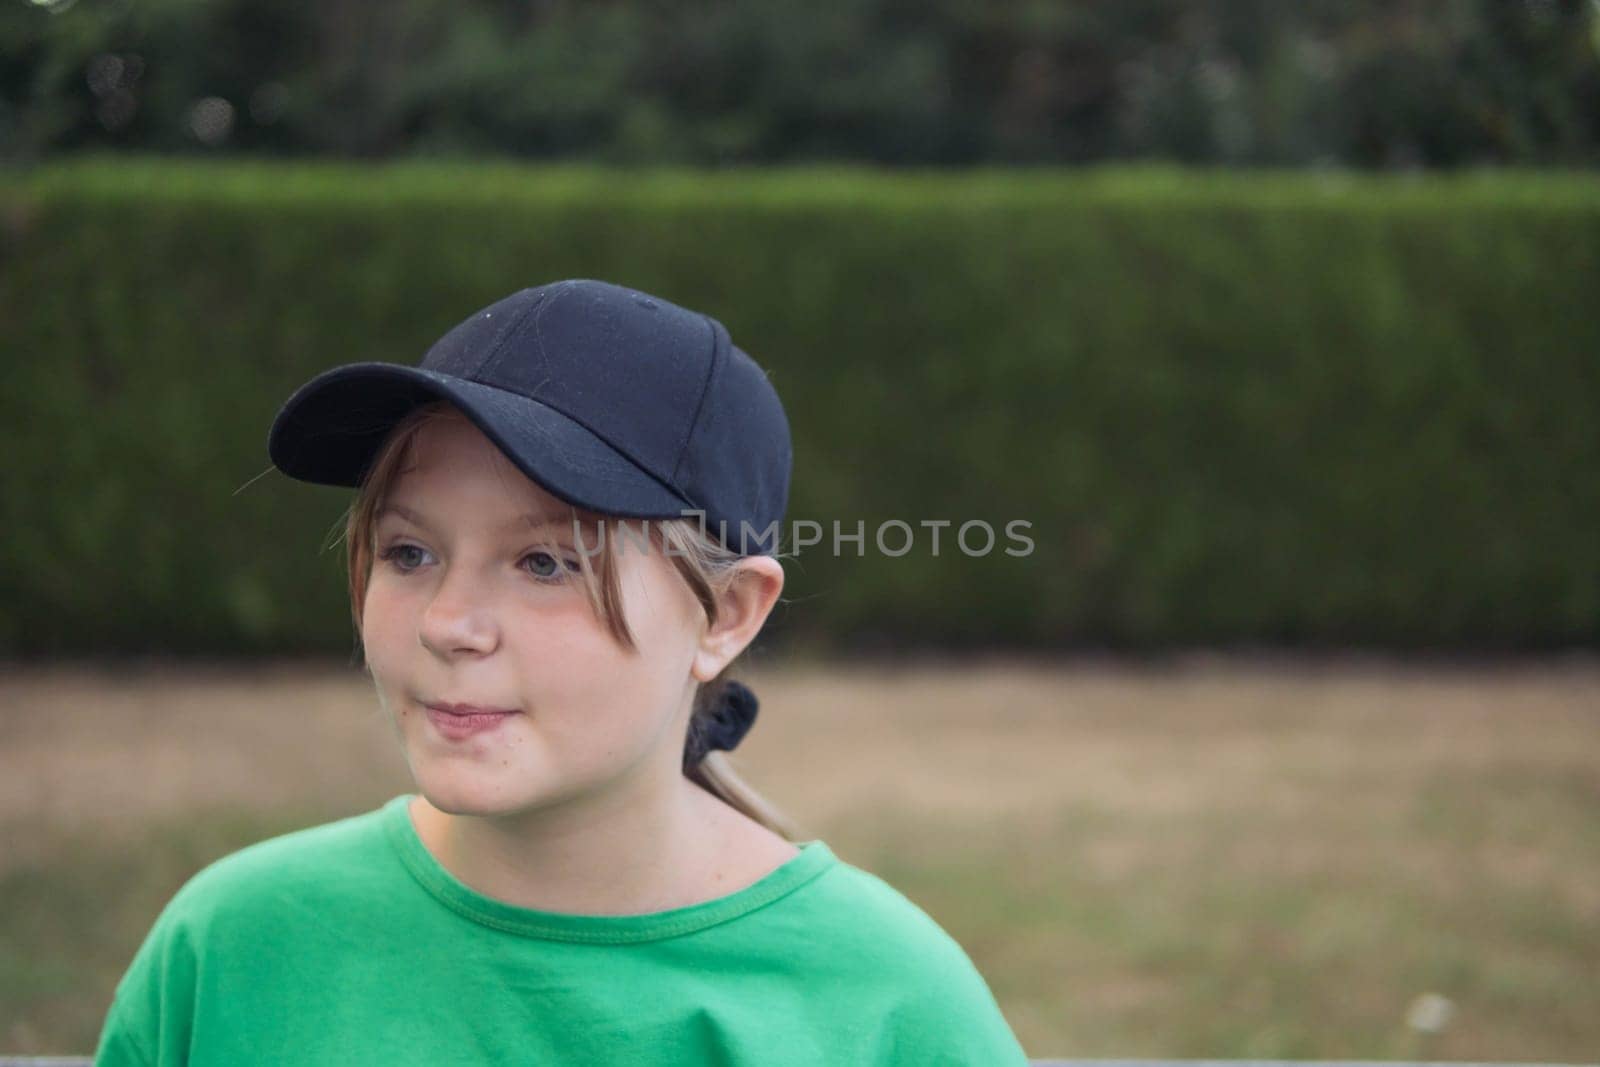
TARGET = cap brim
x,y
329,431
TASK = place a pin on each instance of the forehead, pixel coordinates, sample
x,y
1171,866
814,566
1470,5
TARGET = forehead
x,y
452,457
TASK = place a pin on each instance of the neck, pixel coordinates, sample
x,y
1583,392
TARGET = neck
x,y
626,855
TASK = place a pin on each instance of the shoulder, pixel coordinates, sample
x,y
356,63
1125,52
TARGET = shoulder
x,y
936,1007
890,927
296,869
229,912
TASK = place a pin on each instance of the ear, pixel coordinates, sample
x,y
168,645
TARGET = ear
x,y
742,609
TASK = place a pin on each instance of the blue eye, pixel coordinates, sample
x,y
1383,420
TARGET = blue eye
x,y
546,568
558,564
391,554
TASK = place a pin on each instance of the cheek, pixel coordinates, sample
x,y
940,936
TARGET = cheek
x,y
599,696
568,659
387,629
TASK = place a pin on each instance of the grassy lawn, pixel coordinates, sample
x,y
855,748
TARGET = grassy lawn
x,y
1209,858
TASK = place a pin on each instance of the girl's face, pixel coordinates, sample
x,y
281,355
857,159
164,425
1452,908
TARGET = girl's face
x,y
466,605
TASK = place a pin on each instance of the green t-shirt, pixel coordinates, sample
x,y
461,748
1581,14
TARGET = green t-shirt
x,y
349,943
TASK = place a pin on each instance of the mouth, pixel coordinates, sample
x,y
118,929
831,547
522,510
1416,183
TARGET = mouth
x,y
467,709
458,722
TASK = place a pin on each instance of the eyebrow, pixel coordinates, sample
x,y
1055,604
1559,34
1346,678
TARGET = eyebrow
x,y
530,520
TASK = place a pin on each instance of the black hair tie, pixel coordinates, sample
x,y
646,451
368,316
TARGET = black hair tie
x,y
725,725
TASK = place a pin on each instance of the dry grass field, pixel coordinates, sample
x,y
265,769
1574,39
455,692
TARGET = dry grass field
x,y
1212,857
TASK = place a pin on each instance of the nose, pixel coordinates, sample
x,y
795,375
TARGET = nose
x,y
456,620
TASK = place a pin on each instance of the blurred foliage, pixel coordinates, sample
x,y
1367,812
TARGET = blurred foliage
x,y
1235,408
1367,83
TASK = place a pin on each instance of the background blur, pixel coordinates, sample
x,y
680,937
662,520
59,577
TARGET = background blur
x,y
1275,322
1382,83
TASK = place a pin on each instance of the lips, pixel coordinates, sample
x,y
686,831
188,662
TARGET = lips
x,y
469,709
458,722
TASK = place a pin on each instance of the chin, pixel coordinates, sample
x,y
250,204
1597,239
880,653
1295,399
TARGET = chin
x,y
468,791
472,791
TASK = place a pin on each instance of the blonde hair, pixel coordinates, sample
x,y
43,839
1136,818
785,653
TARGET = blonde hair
x,y
706,566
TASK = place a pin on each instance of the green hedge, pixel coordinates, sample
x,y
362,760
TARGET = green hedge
x,y
1235,408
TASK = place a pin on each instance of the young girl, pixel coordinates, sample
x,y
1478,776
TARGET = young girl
x,y
564,534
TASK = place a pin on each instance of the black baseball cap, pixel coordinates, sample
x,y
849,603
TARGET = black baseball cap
x,y
612,399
